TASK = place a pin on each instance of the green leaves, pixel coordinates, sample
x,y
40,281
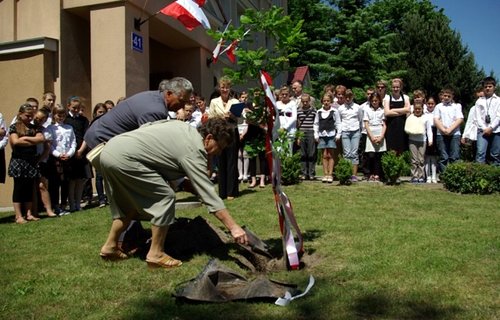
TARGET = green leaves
x,y
271,26
357,42
393,166
469,177
343,171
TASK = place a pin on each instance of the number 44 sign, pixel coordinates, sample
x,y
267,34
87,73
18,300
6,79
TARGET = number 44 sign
x,y
137,42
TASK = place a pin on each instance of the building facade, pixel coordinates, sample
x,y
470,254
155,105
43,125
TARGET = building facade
x,y
103,49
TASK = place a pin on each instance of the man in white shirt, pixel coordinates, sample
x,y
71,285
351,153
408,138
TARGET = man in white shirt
x,y
487,120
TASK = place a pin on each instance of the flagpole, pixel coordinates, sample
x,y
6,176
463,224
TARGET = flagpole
x,y
138,22
210,59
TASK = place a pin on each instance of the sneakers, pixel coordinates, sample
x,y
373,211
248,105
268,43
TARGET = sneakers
x,y
329,179
325,179
354,179
434,180
62,212
429,180
102,204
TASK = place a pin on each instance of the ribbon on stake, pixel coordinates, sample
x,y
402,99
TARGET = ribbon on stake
x,y
288,224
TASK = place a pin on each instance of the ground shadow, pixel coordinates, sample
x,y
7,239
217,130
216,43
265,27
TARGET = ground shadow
x,y
384,305
8,219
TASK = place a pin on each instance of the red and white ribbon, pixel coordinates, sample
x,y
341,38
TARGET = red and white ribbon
x,y
291,235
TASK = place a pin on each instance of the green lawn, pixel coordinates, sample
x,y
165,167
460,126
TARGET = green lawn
x,y
378,252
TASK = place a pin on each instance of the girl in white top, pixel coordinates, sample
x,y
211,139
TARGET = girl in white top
x,y
374,122
431,152
326,132
419,130
62,148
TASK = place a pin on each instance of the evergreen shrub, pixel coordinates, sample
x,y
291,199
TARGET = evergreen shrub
x,y
471,177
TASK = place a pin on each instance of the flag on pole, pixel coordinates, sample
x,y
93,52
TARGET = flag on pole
x,y
230,51
232,47
216,52
267,81
188,12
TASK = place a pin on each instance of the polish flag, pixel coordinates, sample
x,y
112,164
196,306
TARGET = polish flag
x,y
232,47
188,12
230,51
266,82
216,52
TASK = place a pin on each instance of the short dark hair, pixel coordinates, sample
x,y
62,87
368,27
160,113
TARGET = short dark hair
x,y
31,99
488,80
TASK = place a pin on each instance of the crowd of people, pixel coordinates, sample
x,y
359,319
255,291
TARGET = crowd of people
x,y
54,148
49,141
52,168
429,128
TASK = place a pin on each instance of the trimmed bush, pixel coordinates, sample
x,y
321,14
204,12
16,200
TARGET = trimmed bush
x,y
471,177
393,166
343,171
290,162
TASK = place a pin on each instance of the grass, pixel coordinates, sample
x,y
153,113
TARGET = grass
x,y
378,252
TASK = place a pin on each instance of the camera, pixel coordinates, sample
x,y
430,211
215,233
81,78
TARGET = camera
x,y
487,119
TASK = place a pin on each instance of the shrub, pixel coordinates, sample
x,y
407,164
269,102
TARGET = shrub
x,y
393,166
471,177
254,147
343,171
407,159
290,162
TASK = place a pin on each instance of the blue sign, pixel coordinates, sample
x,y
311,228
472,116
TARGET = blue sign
x,y
137,42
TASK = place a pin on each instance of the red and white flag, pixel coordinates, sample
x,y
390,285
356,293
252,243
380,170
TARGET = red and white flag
x,y
230,51
188,12
232,47
267,82
216,52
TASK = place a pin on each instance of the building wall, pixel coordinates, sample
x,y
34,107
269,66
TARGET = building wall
x,y
75,71
107,27
25,79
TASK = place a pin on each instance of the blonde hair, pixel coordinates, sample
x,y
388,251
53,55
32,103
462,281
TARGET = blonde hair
x,y
225,80
401,84
327,95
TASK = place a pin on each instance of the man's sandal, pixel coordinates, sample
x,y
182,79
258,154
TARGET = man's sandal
x,y
167,262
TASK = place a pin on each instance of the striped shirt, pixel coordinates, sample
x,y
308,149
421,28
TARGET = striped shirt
x,y
305,119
